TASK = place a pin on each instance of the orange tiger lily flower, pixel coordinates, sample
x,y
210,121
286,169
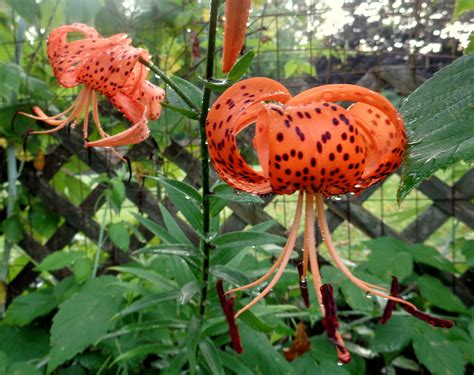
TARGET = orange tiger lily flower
x,y
235,27
311,145
109,66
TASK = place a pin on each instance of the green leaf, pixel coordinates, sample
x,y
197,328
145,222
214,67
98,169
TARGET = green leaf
x,y
188,291
24,309
82,269
23,343
393,336
27,9
245,239
82,320
462,6
470,47
211,356
58,260
36,89
355,297
260,355
116,194
188,113
148,275
173,226
233,363
119,235
83,11
224,191
194,334
241,66
11,77
290,68
440,356
388,257
439,116
183,250
13,229
229,274
468,252
141,351
255,322
23,368
148,301
193,93
156,229
430,256
186,199
433,291
3,362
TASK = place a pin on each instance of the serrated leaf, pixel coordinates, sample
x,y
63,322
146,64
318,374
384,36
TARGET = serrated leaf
x,y
245,239
433,291
388,257
23,343
23,368
81,321
392,336
58,260
24,309
119,235
355,297
241,66
438,117
470,47
430,256
439,355
82,269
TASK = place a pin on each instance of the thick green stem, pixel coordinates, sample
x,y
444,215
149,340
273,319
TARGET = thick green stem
x,y
205,247
171,84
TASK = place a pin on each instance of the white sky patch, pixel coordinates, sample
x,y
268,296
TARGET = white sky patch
x,y
334,19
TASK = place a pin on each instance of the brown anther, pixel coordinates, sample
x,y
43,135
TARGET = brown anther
x,y
303,285
228,309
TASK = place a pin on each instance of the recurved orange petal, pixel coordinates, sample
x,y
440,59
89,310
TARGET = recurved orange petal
x,y
234,110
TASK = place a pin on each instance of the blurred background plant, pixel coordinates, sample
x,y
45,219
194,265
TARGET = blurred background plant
x,y
79,297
